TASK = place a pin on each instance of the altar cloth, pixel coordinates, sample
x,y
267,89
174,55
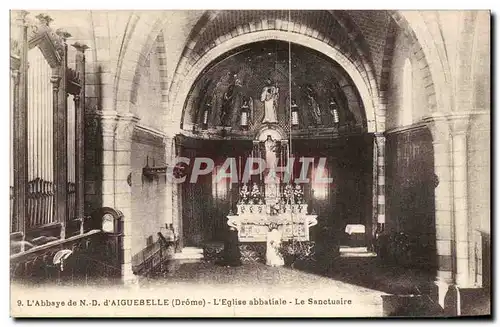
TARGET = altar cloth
x,y
354,229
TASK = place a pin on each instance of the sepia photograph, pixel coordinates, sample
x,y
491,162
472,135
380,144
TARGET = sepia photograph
x,y
250,163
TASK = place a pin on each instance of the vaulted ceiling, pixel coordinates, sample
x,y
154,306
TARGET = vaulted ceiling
x,y
243,74
358,33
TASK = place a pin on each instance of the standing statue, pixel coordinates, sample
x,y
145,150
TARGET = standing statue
x,y
270,96
313,105
227,104
273,245
230,99
271,157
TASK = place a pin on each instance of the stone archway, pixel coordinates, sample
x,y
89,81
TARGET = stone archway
x,y
375,116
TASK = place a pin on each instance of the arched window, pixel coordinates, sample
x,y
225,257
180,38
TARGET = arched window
x,y
407,109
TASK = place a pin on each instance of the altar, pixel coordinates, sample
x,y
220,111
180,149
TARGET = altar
x,y
272,201
253,221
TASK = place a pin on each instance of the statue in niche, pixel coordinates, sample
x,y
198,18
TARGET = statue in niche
x,y
269,96
273,245
313,105
271,149
204,102
228,101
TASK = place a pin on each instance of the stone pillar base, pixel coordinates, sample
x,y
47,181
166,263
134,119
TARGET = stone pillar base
x,y
130,281
128,278
448,297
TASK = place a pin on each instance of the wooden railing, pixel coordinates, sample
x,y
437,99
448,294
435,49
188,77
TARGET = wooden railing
x,y
155,259
82,259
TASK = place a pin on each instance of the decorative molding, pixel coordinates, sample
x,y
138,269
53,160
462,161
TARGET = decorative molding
x,y
439,127
107,122
149,136
51,43
409,128
459,123
125,126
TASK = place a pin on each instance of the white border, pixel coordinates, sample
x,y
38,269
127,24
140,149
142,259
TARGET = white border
x,y
186,4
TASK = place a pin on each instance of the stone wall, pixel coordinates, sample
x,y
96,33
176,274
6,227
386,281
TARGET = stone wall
x,y
148,195
405,48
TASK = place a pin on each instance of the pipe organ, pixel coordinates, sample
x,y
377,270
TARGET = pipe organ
x,y
47,121
40,141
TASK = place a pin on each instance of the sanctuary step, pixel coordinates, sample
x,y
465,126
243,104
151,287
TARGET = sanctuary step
x,y
358,251
190,254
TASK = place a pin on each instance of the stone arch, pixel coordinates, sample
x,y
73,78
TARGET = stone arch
x,y
193,38
421,63
357,39
132,56
360,58
184,82
432,50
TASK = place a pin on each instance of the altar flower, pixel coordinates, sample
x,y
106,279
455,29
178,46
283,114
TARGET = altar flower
x,y
298,194
244,193
255,193
288,193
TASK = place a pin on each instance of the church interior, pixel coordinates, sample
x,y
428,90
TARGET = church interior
x,y
392,108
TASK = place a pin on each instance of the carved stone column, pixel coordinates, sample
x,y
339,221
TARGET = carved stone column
x,y
107,123
169,156
440,130
122,191
177,201
379,161
459,128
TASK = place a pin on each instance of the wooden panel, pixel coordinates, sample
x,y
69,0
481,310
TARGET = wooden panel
x,y
410,185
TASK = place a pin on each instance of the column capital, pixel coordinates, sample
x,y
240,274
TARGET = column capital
x,y
171,128
107,121
21,16
167,140
459,123
125,126
80,47
439,127
55,79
